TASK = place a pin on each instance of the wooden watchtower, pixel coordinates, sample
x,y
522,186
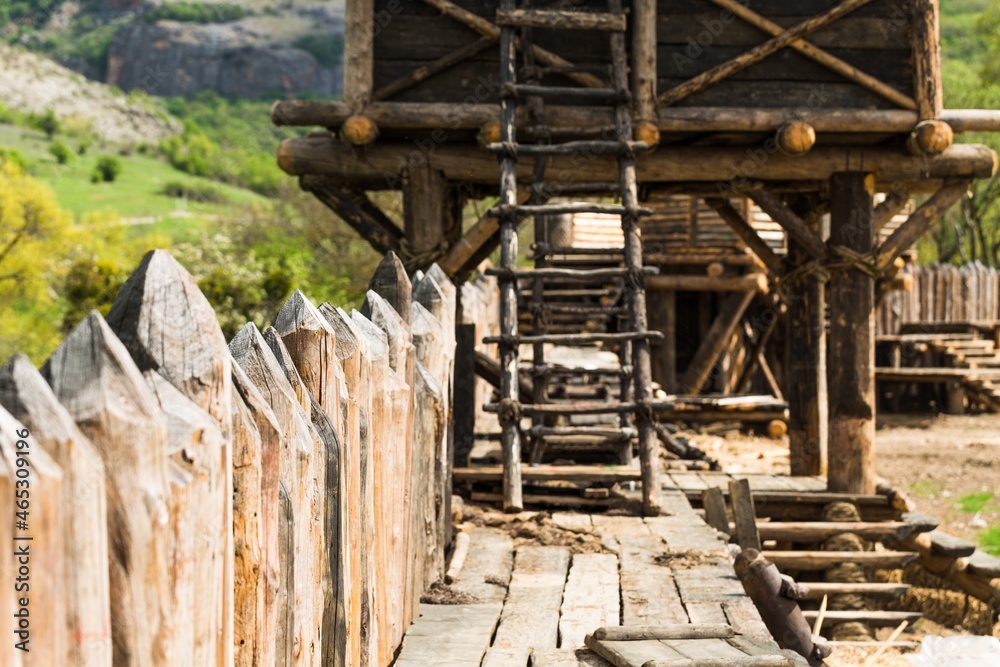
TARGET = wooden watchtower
x,y
806,108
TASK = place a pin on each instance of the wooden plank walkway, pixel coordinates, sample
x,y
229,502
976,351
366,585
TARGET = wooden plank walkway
x,y
536,604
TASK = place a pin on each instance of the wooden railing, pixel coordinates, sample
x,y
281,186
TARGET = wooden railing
x,y
278,500
942,293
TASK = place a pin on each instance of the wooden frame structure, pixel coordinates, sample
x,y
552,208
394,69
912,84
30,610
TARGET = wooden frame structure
x,y
805,107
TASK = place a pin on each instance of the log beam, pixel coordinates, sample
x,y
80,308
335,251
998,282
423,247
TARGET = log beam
x,y
920,221
746,233
805,375
796,227
358,211
435,115
894,202
325,155
851,374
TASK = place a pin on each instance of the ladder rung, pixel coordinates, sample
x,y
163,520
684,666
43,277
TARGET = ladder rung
x,y
580,293
595,147
555,209
578,339
579,408
610,433
544,248
552,189
624,371
561,20
565,93
539,71
578,309
573,274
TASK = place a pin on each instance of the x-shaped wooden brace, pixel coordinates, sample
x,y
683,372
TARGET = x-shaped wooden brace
x,y
490,33
791,38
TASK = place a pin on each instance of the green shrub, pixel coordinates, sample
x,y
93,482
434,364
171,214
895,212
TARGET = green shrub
x,y
46,122
107,169
84,145
196,12
61,152
197,192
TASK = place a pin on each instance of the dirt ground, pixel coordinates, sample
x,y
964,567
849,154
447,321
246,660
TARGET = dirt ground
x,y
948,465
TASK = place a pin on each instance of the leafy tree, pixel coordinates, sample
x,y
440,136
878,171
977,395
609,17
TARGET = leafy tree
x,y
91,284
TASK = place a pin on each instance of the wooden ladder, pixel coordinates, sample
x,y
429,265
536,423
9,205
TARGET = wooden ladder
x,y
633,409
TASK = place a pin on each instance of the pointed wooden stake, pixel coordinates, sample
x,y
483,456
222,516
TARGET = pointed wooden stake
x,y
93,376
87,631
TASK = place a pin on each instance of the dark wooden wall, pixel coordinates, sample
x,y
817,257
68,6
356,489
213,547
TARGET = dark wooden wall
x,y
694,35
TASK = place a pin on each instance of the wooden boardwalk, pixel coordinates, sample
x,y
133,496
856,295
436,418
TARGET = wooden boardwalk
x,y
536,604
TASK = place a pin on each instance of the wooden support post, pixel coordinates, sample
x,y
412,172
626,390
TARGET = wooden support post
x,y
663,318
715,340
359,52
926,35
796,227
465,393
851,374
431,218
805,364
644,58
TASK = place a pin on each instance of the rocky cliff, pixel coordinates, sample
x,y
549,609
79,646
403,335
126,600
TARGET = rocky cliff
x,y
251,49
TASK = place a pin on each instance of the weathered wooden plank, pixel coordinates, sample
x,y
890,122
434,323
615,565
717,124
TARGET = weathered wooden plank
x,y
169,327
356,413
94,378
591,598
388,432
649,594
744,514
195,445
257,441
38,518
487,568
318,444
433,639
84,539
567,658
311,343
297,600
632,653
530,615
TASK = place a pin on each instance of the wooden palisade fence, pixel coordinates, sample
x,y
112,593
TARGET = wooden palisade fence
x,y
280,500
942,293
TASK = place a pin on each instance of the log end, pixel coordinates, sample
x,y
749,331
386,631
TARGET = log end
x,y
489,133
796,138
359,130
931,137
647,132
715,269
776,429
286,157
